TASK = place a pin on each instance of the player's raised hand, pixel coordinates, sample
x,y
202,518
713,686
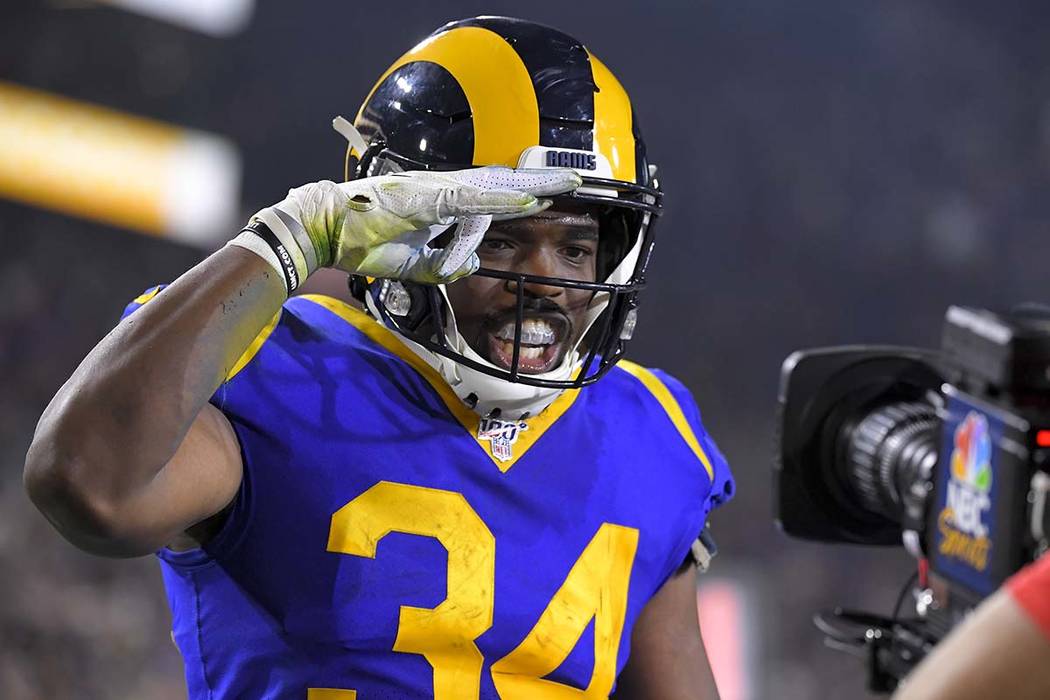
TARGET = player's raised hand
x,y
381,226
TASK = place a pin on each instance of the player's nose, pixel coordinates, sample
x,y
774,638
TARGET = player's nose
x,y
538,263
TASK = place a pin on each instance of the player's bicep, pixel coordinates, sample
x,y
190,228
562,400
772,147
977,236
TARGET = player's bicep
x,y
199,481
668,660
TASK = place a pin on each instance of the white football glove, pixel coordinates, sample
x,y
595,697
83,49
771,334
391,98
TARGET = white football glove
x,y
381,226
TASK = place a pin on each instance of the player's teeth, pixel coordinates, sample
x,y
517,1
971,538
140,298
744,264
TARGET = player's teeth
x,y
537,331
534,331
527,353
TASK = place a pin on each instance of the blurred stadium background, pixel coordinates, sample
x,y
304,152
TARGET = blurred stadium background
x,y
836,173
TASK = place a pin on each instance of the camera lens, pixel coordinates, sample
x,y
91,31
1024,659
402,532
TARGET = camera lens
x,y
886,457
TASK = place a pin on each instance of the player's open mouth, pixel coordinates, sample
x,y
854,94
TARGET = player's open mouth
x,y
541,343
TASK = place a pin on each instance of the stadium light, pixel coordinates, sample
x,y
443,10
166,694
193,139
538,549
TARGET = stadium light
x,y
215,17
94,162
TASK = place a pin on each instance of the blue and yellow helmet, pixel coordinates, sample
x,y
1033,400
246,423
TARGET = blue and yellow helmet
x,y
503,91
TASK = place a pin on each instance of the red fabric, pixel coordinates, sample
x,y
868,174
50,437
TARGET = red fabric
x,y
1030,587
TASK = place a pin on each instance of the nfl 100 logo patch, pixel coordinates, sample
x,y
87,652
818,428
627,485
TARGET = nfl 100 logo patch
x,y
501,435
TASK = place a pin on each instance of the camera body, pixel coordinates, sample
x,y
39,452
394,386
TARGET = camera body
x,y
943,452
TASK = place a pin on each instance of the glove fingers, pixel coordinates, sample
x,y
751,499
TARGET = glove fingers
x,y
547,182
465,200
468,268
541,204
425,274
539,182
467,237
434,230
424,269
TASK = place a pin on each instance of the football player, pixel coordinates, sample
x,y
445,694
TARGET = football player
x,y
462,491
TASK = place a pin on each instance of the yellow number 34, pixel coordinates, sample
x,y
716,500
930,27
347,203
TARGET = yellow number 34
x,y
596,588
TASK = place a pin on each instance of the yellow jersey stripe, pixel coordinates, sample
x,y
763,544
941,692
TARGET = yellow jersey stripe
x,y
613,135
470,420
147,295
670,405
488,70
330,694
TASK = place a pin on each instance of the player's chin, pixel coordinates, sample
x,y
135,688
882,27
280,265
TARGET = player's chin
x,y
533,359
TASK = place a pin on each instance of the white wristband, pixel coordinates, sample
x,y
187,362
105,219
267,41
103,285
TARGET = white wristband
x,y
249,240
293,237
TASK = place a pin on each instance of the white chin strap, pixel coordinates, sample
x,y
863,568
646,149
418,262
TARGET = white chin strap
x,y
510,399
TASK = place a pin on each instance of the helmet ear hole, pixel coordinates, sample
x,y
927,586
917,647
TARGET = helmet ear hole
x,y
419,315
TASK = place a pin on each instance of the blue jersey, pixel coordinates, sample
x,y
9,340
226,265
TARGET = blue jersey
x,y
386,542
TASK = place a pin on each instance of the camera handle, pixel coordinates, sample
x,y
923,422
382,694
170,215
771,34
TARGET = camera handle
x,y
1039,513
889,647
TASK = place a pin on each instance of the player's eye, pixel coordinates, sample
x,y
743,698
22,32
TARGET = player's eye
x,y
493,245
577,253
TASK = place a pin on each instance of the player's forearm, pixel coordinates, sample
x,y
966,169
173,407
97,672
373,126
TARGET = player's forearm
x,y
122,415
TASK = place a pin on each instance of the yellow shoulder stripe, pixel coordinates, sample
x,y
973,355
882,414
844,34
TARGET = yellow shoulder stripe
x,y
146,296
254,347
670,405
470,420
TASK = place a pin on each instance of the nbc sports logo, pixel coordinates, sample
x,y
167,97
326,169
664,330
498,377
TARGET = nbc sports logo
x,y
972,457
962,522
